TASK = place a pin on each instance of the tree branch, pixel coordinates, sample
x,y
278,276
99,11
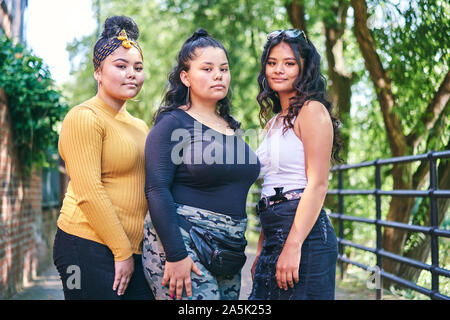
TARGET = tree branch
x,y
381,81
334,30
434,110
296,12
341,80
252,32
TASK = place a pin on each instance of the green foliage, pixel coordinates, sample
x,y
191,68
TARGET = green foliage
x,y
413,42
35,106
82,85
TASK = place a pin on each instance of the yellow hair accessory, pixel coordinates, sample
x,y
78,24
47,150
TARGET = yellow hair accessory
x,y
124,38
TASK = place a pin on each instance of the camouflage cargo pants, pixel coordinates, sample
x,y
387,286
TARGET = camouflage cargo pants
x,y
208,286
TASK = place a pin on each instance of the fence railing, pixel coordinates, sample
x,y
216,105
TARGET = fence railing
x,y
433,193
50,188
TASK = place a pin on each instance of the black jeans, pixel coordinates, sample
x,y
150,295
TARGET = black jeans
x,y
317,263
87,270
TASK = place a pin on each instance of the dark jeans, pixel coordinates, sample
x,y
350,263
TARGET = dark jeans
x,y
87,270
317,263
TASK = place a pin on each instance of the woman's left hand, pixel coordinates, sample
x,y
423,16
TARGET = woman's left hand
x,y
288,266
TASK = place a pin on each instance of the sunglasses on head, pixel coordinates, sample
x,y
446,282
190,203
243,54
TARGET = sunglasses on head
x,y
290,33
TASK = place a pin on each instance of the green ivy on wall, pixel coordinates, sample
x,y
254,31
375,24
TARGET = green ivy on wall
x,y
35,105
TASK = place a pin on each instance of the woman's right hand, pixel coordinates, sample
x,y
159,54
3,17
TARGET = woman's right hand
x,y
254,267
123,270
258,252
178,274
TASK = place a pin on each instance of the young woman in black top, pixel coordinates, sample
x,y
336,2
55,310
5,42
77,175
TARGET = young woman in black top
x,y
196,167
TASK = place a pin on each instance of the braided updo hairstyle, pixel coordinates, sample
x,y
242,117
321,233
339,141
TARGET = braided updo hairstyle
x,y
177,91
112,27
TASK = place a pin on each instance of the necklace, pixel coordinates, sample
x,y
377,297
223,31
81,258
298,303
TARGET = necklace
x,y
208,119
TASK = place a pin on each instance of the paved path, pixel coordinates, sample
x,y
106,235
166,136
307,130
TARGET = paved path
x,y
48,286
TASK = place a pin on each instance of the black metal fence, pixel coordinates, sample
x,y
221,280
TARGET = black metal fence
x,y
51,192
433,193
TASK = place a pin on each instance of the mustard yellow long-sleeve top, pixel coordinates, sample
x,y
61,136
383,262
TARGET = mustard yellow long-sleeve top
x,y
104,154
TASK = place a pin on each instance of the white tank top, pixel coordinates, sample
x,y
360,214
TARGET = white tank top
x,y
282,159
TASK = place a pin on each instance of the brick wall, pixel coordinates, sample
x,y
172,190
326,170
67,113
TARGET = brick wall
x,y
5,22
26,230
12,19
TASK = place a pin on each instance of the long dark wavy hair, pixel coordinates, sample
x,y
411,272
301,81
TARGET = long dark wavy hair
x,y
309,85
176,91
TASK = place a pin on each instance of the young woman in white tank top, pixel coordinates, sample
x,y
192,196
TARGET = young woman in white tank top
x,y
297,249
272,152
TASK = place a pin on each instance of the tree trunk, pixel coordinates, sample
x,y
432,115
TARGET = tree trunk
x,y
296,13
380,79
400,208
400,145
341,80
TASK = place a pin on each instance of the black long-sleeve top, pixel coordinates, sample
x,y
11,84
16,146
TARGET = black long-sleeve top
x,y
192,164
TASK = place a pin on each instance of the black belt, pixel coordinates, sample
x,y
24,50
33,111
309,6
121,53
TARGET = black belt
x,y
278,197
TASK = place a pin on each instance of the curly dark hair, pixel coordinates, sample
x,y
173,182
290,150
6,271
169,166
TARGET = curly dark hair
x,y
176,91
309,85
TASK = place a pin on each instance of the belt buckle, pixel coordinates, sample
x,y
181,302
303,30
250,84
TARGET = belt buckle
x,y
278,196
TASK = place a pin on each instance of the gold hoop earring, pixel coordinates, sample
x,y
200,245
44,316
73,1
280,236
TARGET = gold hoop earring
x,y
188,97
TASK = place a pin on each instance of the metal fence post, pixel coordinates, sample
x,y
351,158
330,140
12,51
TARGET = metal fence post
x,y
341,222
378,226
434,224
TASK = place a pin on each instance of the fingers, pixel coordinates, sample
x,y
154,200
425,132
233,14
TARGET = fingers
x,y
179,288
196,269
296,276
121,283
188,286
116,283
172,287
124,281
289,280
283,281
278,278
177,276
176,287
286,279
165,279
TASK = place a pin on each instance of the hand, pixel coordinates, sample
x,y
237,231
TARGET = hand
x,y
179,273
254,267
122,275
288,266
258,252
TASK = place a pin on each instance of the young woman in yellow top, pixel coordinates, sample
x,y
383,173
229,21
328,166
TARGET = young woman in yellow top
x,y
97,248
